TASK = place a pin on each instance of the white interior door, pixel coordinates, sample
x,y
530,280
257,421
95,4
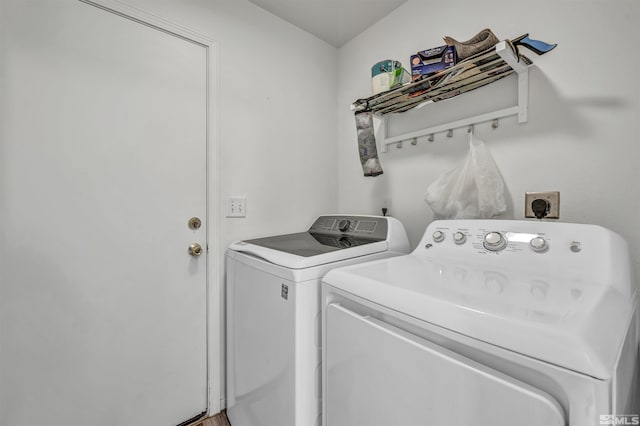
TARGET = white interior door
x,y
377,374
103,127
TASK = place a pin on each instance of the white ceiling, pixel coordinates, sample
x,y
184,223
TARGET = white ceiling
x,y
334,21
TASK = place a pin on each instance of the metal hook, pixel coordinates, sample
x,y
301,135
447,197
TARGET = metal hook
x,y
450,133
431,137
414,141
494,124
399,145
470,129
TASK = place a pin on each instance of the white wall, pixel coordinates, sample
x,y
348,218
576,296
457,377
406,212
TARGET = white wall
x,y
582,134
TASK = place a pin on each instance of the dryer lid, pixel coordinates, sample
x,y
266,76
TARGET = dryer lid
x,y
575,324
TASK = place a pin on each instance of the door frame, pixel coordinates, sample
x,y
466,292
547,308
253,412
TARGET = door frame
x,y
213,262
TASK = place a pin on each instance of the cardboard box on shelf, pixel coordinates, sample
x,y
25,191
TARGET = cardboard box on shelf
x,y
430,61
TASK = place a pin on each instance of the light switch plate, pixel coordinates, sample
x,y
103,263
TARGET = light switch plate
x,y
552,197
236,207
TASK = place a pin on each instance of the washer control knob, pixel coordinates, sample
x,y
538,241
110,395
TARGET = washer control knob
x,y
459,237
494,241
538,244
438,236
343,225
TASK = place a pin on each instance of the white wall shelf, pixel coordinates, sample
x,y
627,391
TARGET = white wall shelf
x,y
476,71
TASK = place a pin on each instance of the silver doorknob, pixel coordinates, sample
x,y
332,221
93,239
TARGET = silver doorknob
x,y
195,249
195,223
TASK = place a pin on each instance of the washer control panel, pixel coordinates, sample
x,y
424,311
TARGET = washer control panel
x,y
374,227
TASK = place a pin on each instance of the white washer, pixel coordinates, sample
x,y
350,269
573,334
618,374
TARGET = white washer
x,y
486,322
273,314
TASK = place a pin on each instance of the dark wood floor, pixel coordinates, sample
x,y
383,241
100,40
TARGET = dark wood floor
x,y
219,419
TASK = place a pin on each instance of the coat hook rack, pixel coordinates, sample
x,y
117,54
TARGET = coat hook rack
x,y
520,66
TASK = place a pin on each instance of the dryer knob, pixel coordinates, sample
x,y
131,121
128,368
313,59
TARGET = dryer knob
x,y
459,238
438,236
494,241
538,244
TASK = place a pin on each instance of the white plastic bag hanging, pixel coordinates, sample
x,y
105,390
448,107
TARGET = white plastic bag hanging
x,y
473,190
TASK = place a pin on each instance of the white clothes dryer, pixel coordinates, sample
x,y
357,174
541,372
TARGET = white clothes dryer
x,y
273,314
486,322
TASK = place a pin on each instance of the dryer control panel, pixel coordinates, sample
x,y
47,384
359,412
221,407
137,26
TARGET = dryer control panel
x,y
544,246
491,239
495,236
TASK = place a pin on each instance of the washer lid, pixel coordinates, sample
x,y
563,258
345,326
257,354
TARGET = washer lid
x,y
306,249
331,238
567,322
